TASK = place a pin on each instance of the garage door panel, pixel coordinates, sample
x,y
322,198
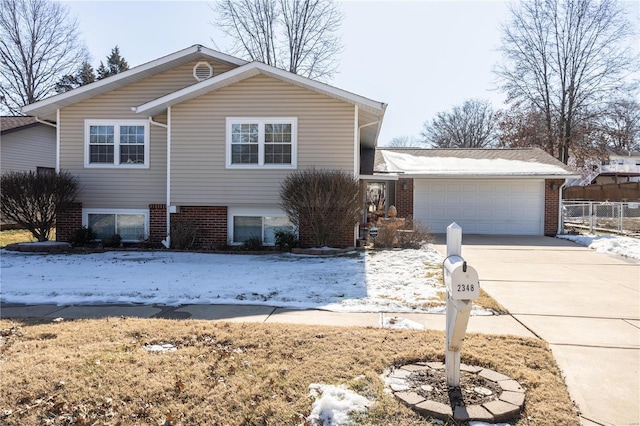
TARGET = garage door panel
x,y
513,207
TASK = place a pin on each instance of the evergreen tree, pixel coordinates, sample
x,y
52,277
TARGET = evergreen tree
x,y
83,76
115,64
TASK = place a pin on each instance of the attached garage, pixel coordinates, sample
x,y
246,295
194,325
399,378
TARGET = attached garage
x,y
481,206
485,191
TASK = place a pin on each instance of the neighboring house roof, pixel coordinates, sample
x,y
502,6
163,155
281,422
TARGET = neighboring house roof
x,y
13,123
465,163
195,52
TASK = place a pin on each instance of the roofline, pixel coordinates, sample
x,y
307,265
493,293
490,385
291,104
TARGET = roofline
x,y
29,109
23,127
249,70
457,175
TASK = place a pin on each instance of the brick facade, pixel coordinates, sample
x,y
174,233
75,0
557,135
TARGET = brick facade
x,y
404,197
157,222
68,221
210,222
551,205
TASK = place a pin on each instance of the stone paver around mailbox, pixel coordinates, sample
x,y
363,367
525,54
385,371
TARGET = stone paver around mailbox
x,y
497,407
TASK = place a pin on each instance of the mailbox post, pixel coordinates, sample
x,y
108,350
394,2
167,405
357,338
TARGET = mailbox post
x,y
463,287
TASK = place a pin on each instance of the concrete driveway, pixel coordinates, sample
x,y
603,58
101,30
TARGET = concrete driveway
x,y
586,305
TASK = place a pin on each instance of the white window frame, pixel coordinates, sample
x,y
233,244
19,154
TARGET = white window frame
x,y
116,143
262,212
262,121
145,212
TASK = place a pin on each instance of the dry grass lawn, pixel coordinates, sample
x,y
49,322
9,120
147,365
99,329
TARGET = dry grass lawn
x,y
97,372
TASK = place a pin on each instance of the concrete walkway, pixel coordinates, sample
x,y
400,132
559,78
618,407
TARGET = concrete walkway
x,y
586,305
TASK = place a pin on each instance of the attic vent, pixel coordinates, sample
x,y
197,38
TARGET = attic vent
x,y
202,71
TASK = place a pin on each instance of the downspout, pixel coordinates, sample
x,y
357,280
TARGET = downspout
x,y
356,142
560,216
57,136
167,241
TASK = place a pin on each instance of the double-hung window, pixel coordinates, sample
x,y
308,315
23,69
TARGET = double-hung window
x,y
116,143
262,142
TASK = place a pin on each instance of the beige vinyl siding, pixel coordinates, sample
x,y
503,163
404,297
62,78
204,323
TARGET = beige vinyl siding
x,y
120,187
199,175
28,149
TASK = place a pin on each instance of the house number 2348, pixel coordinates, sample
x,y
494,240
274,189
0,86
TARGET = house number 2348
x,y
466,287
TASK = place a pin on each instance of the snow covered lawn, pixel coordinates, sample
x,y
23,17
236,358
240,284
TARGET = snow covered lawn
x,y
389,281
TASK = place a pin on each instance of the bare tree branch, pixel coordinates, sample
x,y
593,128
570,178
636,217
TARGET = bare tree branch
x,y
299,36
38,45
472,125
563,61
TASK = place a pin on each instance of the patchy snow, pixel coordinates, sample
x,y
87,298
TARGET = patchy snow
x,y
334,404
401,323
408,163
612,244
374,281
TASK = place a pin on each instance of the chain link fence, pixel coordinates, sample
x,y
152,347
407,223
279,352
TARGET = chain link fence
x,y
601,216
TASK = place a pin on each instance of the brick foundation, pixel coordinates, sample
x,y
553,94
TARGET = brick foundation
x,y
157,222
404,198
210,221
68,221
551,206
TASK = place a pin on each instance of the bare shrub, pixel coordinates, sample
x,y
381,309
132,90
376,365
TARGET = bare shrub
x,y
406,234
327,201
183,234
33,200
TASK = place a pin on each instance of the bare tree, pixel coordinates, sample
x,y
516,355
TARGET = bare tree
x,y
297,35
620,125
474,124
39,44
565,59
405,141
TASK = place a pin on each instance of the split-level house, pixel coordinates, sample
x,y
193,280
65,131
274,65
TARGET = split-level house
x,y
204,139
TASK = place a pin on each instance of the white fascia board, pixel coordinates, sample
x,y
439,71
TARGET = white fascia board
x,y
250,70
481,176
381,176
49,105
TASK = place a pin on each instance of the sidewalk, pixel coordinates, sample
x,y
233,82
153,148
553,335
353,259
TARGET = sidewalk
x,y
502,324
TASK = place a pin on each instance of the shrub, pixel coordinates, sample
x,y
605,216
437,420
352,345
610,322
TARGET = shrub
x,y
327,201
113,241
286,240
33,200
183,234
253,244
83,236
406,234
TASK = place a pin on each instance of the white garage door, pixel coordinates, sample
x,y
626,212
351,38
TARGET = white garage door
x,y
489,206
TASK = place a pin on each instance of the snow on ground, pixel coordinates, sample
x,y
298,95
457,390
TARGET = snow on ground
x,y
334,404
613,244
375,281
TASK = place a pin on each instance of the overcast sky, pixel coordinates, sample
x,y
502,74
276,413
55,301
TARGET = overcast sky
x,y
419,57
